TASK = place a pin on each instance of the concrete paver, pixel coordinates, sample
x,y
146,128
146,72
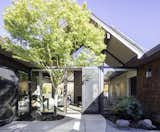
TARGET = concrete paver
x,y
94,123
71,123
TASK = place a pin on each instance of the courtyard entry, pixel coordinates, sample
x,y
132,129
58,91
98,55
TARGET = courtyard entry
x,y
83,89
23,93
88,90
43,93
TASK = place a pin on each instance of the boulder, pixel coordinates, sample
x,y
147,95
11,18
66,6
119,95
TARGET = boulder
x,y
122,123
8,96
146,124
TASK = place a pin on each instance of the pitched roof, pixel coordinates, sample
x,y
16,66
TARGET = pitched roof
x,y
121,37
150,55
153,51
120,49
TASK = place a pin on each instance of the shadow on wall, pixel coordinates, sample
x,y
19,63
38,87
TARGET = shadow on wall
x,y
8,97
96,107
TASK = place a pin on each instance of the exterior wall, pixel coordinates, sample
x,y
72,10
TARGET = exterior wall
x,y
92,88
119,86
149,88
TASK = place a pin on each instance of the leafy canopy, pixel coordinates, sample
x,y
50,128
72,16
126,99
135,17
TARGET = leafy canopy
x,y
48,32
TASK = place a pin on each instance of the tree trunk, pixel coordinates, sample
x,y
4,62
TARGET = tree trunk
x,y
54,89
65,99
65,92
54,94
55,103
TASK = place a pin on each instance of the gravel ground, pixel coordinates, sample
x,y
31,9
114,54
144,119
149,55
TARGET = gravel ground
x,y
110,127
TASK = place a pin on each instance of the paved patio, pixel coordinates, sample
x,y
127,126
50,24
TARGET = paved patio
x,y
71,123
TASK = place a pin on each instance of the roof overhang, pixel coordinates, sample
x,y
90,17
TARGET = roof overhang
x,y
150,56
120,49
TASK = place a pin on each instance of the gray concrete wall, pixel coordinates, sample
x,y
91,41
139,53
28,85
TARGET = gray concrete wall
x,y
92,78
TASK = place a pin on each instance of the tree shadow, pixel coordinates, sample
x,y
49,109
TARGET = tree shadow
x,y
96,106
67,124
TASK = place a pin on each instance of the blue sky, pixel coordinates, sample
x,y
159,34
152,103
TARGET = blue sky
x,y
137,19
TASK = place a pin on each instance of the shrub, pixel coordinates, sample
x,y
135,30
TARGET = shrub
x,y
128,108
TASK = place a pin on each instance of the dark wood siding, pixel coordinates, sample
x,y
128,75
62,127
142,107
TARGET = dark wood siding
x,y
149,88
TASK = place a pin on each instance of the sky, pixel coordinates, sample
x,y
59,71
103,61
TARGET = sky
x,y
137,19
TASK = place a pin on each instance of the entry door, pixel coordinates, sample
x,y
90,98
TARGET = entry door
x,y
92,87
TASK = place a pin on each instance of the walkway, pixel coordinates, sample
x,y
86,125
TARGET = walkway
x,y
71,123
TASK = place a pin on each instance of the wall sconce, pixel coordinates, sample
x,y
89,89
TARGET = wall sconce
x,y
148,73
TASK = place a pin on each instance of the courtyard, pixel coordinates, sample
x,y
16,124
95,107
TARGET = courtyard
x,y
64,69
71,123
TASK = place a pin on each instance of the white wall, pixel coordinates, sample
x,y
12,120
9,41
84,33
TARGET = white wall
x,y
92,87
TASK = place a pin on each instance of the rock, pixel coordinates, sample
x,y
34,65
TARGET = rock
x,y
146,124
122,123
8,87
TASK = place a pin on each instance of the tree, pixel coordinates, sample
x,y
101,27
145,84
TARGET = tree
x,y
49,32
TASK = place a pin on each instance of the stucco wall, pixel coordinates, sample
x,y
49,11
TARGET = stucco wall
x,y
119,85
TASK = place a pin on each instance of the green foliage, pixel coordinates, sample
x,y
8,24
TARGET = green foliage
x,y
53,30
48,32
128,108
22,76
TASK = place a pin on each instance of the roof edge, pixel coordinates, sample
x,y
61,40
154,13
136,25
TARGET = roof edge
x,y
121,37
